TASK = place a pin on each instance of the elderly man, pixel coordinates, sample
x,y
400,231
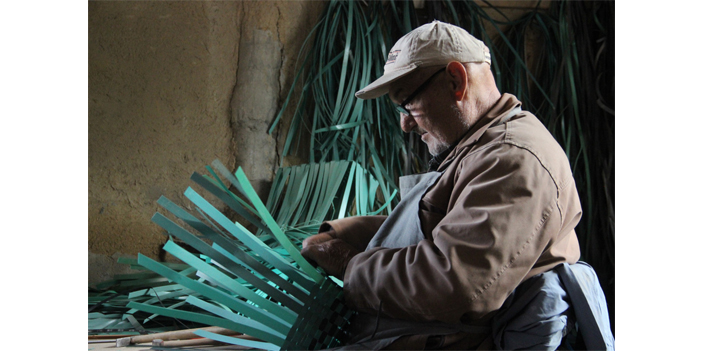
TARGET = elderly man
x,y
497,207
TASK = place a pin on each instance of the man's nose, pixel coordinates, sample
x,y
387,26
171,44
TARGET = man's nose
x,y
407,123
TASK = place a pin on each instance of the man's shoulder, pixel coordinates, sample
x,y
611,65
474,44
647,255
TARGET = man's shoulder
x,y
522,132
526,130
521,140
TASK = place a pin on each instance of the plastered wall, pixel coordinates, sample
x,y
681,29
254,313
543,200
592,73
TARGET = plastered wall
x,y
173,86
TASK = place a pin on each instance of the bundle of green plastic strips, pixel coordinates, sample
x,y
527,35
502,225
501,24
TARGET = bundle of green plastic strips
x,y
107,301
259,285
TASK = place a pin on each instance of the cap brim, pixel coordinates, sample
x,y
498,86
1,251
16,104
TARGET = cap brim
x,y
381,85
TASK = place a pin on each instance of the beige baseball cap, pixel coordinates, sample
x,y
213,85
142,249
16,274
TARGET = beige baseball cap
x,y
433,44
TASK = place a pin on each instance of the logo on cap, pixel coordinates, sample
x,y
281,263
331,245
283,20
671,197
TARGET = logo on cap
x,y
392,56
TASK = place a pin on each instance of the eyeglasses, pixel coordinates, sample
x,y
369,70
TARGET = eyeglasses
x,y
401,107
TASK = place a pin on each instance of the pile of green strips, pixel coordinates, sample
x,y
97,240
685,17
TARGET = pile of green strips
x,y
256,284
107,301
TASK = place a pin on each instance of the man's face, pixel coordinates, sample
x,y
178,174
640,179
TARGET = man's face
x,y
432,113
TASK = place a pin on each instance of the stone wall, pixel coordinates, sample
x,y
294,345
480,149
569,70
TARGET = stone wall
x,y
173,86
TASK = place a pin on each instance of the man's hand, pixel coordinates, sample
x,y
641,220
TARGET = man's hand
x,y
330,253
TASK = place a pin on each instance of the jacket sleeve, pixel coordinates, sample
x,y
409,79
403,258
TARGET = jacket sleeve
x,y
356,231
503,209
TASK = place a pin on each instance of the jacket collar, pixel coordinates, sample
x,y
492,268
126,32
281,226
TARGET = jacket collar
x,y
500,109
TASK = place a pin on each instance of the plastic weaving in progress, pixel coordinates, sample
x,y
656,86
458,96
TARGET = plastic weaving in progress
x,y
259,285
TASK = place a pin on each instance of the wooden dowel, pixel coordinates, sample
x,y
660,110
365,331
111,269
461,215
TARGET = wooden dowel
x,y
172,335
196,342
182,343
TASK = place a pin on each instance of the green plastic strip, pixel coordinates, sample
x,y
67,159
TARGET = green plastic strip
x,y
102,315
171,265
99,323
341,126
171,307
386,204
157,289
311,190
321,172
279,182
217,164
130,276
226,197
143,282
337,169
273,226
234,317
244,328
224,187
191,240
347,192
304,188
165,296
249,239
228,245
215,294
290,200
361,191
294,301
229,283
237,341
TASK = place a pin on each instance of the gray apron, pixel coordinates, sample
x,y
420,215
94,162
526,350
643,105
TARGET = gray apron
x,y
402,228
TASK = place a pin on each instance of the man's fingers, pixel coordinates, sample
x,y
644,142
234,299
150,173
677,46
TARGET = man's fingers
x,y
308,255
309,252
320,254
317,239
312,253
332,255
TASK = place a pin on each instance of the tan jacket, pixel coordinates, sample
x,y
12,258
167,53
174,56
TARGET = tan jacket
x,y
503,211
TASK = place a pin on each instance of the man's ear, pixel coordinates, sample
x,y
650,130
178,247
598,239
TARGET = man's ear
x,y
458,77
